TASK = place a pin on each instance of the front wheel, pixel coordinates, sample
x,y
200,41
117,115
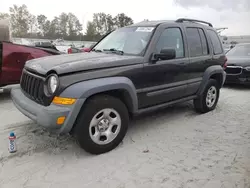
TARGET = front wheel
x,y
209,98
102,124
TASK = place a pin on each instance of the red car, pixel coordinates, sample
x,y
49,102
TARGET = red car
x,y
87,47
13,58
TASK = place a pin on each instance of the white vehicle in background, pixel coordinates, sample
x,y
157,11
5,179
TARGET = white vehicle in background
x,y
61,45
63,48
66,47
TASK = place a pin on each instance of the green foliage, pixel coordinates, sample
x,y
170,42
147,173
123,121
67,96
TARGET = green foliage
x,y
103,23
121,20
66,25
91,33
20,19
4,15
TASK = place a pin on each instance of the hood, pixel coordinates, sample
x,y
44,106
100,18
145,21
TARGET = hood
x,y
80,62
238,61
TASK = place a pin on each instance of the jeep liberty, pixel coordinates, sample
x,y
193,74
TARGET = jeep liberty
x,y
135,69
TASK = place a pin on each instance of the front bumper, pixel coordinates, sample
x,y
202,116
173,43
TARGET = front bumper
x,y
46,116
242,78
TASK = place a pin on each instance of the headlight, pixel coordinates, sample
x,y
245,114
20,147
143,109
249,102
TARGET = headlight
x,y
52,84
247,68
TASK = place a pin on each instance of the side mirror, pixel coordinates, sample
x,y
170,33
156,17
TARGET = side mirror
x,y
165,54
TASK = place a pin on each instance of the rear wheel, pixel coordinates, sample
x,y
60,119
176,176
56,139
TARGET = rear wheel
x,y
209,98
102,124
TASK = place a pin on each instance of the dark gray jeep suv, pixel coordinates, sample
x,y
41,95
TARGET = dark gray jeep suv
x,y
135,69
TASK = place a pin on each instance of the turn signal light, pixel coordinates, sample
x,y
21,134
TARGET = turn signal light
x,y
60,120
64,101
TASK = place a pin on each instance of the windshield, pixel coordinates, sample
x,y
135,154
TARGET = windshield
x,y
240,50
130,40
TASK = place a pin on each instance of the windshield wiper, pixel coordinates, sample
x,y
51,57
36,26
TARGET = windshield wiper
x,y
113,50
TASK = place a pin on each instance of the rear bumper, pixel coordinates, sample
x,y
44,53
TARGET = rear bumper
x,y
46,116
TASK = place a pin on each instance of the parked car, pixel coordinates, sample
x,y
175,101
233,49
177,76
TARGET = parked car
x,y
87,47
73,50
48,45
63,48
226,48
135,69
238,65
13,58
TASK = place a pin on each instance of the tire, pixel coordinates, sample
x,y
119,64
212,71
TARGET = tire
x,y
95,140
200,103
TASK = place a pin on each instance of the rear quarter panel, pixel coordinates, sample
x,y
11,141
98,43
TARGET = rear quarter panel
x,y
13,58
1,59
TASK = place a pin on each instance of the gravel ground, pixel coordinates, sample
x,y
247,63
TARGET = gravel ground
x,y
172,148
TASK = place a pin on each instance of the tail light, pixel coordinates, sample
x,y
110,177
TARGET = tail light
x,y
69,51
225,63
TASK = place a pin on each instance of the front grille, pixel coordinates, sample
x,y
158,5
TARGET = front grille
x,y
233,70
33,86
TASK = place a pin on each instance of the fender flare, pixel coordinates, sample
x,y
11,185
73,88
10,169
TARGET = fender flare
x,y
210,71
85,89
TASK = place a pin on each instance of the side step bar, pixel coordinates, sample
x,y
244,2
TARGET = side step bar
x,y
164,105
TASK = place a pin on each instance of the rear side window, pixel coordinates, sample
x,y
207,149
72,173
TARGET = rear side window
x,y
203,42
215,42
194,42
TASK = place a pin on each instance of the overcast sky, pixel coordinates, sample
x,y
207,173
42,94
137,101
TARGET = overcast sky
x,y
233,14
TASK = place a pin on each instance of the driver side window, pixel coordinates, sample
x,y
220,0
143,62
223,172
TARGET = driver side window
x,y
171,38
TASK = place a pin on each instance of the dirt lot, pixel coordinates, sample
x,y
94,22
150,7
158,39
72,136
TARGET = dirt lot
x,y
173,148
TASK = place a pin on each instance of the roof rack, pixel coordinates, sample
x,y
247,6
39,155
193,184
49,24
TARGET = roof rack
x,y
181,20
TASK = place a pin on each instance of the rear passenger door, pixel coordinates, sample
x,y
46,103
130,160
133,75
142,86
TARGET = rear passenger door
x,y
200,57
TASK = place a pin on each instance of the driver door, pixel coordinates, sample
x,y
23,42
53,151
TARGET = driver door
x,y
166,80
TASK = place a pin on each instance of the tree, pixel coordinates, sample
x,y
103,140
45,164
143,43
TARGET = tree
x,y
66,25
99,22
110,23
33,25
103,23
91,33
63,25
4,15
74,26
42,21
54,30
20,19
121,20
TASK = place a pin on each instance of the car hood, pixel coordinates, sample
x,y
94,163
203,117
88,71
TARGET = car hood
x,y
80,62
238,61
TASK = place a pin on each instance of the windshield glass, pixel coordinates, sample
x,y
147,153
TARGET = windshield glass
x,y
130,40
240,50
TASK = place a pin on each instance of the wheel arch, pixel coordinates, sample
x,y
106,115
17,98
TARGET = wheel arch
x,y
214,72
120,87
